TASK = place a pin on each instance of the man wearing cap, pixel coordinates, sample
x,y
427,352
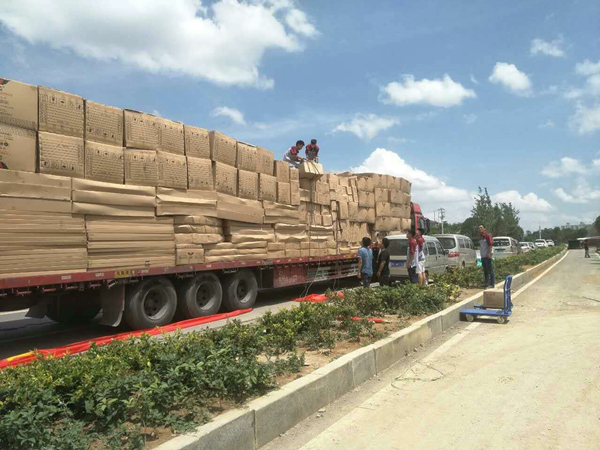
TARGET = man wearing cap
x,y
312,151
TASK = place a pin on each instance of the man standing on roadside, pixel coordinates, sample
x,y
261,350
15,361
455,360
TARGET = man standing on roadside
x,y
586,247
422,248
383,273
486,247
365,262
412,258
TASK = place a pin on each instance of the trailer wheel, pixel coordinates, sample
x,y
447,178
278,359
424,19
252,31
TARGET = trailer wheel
x,y
240,290
150,303
200,296
74,307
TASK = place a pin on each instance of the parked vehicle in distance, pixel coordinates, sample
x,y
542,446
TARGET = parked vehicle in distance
x,y
541,243
525,247
461,251
505,246
550,243
532,246
436,261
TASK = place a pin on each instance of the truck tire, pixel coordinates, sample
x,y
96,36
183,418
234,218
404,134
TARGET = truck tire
x,y
199,296
240,290
150,303
74,307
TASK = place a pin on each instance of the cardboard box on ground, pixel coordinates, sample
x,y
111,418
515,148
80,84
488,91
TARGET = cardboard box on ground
x,y
195,195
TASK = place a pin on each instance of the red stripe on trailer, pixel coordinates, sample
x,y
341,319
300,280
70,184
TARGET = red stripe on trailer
x,y
78,347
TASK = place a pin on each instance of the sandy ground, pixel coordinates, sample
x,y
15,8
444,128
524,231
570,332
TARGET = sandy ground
x,y
530,384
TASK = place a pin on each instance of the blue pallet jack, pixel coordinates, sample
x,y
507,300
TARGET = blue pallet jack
x,y
501,315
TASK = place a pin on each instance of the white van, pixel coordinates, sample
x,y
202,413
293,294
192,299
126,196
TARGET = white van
x,y
505,246
541,243
436,261
461,251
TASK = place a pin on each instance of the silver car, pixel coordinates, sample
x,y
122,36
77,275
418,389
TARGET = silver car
x,y
461,251
436,261
505,246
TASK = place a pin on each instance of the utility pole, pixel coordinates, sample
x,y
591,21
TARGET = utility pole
x,y
442,216
540,231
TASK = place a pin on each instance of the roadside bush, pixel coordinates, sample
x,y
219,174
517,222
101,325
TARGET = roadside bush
x,y
472,277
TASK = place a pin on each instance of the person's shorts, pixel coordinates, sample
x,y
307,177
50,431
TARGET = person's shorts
x,y
420,267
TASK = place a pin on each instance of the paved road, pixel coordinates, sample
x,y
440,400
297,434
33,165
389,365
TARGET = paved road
x,y
20,334
531,384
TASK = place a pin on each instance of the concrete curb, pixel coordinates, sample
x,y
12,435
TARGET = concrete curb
x,y
265,418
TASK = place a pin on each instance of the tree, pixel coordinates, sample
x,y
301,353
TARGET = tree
x,y
597,224
483,211
470,228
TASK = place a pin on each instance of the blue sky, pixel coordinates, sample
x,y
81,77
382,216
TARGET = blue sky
x,y
451,95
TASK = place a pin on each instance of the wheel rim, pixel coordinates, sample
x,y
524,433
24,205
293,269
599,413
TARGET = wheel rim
x,y
155,304
205,296
470,318
241,291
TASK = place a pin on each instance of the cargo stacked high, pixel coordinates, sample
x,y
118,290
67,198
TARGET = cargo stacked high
x,y
95,188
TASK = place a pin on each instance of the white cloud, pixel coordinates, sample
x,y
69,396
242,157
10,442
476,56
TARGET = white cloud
x,y
438,92
156,112
566,166
573,94
234,114
587,67
552,48
470,118
547,124
512,78
582,193
586,120
367,126
223,42
426,115
403,140
524,203
473,79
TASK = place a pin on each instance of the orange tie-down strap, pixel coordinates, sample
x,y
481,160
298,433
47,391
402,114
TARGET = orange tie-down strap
x,y
78,347
317,298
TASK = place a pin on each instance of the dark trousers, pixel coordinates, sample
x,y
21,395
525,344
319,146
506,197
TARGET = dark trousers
x,y
384,280
412,275
587,253
488,271
366,279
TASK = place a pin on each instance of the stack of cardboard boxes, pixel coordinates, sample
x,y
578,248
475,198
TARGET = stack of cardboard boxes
x,y
135,190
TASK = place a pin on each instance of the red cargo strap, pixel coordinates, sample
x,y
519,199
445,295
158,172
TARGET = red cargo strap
x,y
317,298
83,346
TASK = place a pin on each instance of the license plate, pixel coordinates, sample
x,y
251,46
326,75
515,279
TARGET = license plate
x,y
397,264
500,250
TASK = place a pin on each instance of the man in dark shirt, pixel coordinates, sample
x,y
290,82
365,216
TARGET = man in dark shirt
x,y
586,247
486,248
412,257
312,151
383,273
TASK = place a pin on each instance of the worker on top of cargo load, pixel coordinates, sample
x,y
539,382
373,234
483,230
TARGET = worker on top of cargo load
x,y
292,156
312,151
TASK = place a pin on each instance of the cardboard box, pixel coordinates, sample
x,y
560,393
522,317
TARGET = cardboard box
x,y
284,193
405,185
267,187
223,149
365,183
141,167
170,137
103,124
366,199
265,161
366,215
226,178
310,170
141,130
18,148
198,220
405,224
493,298
247,157
172,170
104,162
188,203
189,256
282,171
294,174
353,211
111,199
277,213
394,183
60,112
34,204
248,185
243,210
200,174
383,209
18,104
398,197
382,195
197,142
61,155
34,185
295,193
